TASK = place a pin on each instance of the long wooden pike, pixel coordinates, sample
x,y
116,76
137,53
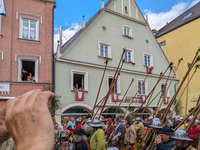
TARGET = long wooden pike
x,y
181,94
111,87
122,99
193,119
163,90
135,94
162,75
106,62
198,106
168,88
117,72
181,84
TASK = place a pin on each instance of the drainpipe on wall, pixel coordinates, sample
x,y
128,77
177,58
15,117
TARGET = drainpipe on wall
x,y
53,58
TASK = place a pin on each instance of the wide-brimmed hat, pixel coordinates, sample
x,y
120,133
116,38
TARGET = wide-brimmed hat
x,y
96,123
79,131
180,118
89,120
181,134
166,131
190,117
138,119
156,124
150,118
128,118
155,119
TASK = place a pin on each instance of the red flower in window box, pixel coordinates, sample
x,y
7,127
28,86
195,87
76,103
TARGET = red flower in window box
x,y
107,57
149,69
132,62
128,36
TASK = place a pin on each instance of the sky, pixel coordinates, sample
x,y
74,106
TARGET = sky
x,y
69,13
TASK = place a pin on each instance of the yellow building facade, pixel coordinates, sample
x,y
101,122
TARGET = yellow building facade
x,y
182,41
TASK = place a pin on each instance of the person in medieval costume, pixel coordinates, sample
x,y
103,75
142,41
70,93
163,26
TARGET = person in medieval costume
x,y
130,135
109,131
156,127
163,141
139,129
80,139
89,130
98,140
118,131
182,140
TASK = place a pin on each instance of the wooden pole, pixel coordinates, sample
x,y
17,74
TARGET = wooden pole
x,y
123,98
186,104
181,95
181,84
106,61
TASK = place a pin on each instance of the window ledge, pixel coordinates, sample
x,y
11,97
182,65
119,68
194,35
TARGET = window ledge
x,y
131,62
105,57
27,40
147,66
127,37
79,91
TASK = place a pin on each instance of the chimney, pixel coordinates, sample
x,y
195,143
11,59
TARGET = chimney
x,y
167,23
154,31
147,19
60,35
83,23
58,50
102,4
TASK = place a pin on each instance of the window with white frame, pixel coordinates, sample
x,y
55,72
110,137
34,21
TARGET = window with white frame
x,y
127,31
116,87
28,70
79,80
104,50
128,56
143,89
148,60
29,29
162,87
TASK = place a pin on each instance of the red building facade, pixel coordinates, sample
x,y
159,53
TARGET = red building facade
x,y
26,42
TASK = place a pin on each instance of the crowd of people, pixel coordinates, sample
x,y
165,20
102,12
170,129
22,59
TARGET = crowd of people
x,y
130,133
26,124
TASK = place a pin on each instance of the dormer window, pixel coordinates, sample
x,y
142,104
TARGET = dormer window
x,y
187,16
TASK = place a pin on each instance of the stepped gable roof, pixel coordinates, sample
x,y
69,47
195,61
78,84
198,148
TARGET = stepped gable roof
x,y
79,33
186,17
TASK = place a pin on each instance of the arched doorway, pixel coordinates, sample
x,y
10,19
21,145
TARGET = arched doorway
x,y
76,112
146,113
108,113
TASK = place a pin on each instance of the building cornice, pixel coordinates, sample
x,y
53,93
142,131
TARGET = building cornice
x,y
109,68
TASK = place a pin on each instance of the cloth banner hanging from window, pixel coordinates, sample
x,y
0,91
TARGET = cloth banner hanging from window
x,y
149,69
115,98
79,96
143,98
166,101
2,8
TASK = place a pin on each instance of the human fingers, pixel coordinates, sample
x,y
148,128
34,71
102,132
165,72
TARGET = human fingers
x,y
25,97
43,97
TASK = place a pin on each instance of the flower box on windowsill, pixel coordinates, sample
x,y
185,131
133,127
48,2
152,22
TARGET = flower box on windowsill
x,y
127,36
105,57
131,62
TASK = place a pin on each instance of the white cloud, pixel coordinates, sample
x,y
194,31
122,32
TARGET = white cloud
x,y
194,3
158,20
67,34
